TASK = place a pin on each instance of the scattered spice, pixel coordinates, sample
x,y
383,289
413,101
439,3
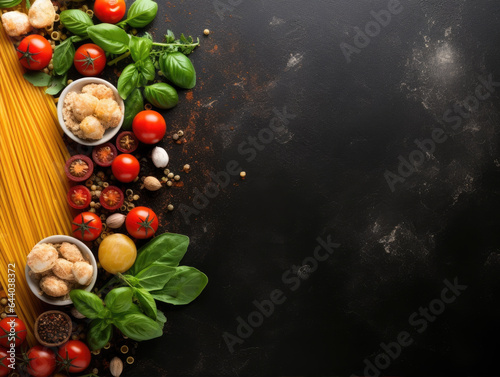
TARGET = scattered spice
x,y
170,207
243,174
186,168
206,32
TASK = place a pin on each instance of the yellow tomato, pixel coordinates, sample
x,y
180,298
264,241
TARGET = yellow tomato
x,y
117,253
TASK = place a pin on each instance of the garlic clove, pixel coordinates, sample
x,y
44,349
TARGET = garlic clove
x,y
159,157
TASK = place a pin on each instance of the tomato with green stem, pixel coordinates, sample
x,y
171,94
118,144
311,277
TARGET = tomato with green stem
x,y
87,226
141,222
41,361
90,59
110,11
5,331
4,363
74,356
34,52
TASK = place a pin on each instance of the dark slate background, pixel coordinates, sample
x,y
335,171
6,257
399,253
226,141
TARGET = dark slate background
x,y
323,176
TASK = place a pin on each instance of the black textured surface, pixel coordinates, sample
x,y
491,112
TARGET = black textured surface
x,y
324,176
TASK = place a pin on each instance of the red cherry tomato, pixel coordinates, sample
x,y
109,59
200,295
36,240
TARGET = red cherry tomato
x,y
125,167
75,356
149,126
110,11
4,363
42,361
141,222
34,52
87,226
79,197
5,331
89,59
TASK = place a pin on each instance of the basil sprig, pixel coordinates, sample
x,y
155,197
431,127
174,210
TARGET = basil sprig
x,y
157,270
119,311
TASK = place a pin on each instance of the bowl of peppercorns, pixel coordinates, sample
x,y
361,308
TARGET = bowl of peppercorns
x,y
53,328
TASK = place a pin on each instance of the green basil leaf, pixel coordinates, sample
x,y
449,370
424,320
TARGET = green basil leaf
x,y
99,334
57,83
155,276
128,81
37,78
141,13
110,38
160,318
167,249
76,21
170,36
178,69
183,287
133,105
119,300
148,70
146,301
140,48
131,280
89,304
161,95
64,54
138,327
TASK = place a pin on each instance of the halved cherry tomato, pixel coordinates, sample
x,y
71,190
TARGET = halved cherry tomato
x,y
79,197
19,331
89,59
104,154
79,168
87,226
75,356
34,52
127,142
149,126
110,11
111,198
125,167
141,222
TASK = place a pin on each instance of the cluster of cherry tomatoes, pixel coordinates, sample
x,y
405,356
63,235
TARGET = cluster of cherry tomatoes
x,y
74,356
149,127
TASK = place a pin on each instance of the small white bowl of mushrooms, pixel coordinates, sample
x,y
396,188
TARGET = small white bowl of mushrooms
x,y
90,111
58,264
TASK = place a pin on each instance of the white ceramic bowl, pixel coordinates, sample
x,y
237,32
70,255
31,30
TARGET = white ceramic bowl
x,y
76,86
35,288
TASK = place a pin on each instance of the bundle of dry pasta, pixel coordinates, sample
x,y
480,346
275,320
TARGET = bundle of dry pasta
x,y
32,182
